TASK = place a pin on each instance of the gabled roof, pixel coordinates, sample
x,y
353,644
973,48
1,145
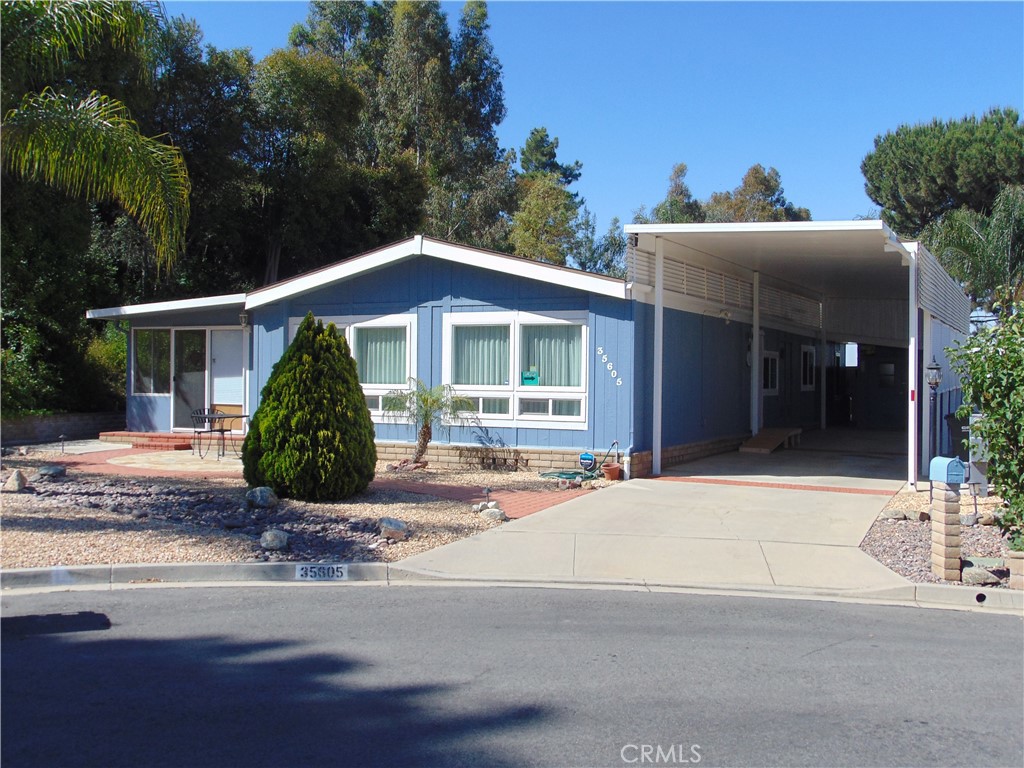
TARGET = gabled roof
x,y
438,249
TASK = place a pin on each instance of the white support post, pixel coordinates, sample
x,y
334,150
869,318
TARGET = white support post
x,y
913,376
821,368
659,351
926,414
755,360
246,345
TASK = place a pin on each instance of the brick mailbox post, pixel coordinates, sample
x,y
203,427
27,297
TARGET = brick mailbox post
x,y
946,476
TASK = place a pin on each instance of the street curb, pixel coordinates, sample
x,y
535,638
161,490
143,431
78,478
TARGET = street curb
x,y
179,573
251,574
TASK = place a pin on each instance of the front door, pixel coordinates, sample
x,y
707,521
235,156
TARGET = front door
x,y
226,372
189,376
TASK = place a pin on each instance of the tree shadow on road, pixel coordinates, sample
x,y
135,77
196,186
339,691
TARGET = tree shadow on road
x,y
74,697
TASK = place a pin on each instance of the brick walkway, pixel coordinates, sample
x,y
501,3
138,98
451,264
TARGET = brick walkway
x,y
514,503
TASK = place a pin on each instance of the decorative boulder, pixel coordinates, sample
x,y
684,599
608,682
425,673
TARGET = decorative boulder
x,y
978,577
274,539
493,513
391,528
16,483
49,472
988,518
261,498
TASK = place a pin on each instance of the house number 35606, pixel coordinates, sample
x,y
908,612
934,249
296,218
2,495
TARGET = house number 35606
x,y
610,366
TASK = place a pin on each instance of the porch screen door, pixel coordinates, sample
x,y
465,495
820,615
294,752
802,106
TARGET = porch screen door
x,y
226,371
189,375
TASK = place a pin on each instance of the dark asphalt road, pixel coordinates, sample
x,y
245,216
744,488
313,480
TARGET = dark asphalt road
x,y
442,676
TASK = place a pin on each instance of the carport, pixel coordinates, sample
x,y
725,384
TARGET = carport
x,y
838,283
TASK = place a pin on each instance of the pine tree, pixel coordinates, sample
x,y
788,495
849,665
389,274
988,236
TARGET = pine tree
x,y
311,437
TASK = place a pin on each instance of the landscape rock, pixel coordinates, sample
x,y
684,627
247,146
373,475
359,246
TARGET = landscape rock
x,y
988,518
16,483
51,472
261,498
978,577
493,513
274,539
392,528
893,514
968,519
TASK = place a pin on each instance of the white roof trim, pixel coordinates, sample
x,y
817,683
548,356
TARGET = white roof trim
x,y
856,225
130,310
422,246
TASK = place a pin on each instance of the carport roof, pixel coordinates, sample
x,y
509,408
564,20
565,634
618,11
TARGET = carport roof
x,y
838,259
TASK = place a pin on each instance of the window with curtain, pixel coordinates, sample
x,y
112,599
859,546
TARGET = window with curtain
x,y
555,353
151,369
480,355
382,356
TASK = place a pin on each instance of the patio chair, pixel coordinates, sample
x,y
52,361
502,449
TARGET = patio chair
x,y
210,422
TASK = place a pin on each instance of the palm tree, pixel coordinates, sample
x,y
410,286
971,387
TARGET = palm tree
x,y
425,406
986,253
87,146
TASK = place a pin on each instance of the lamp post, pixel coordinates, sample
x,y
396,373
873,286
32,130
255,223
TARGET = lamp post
x,y
933,375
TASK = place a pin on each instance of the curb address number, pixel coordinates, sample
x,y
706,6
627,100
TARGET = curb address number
x,y
321,572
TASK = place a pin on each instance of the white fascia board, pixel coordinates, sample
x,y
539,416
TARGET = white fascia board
x,y
131,310
333,274
531,270
859,225
421,246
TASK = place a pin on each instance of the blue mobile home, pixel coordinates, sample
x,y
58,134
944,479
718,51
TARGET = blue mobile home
x,y
717,332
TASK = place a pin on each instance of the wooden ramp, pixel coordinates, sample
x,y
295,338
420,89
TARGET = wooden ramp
x,y
767,440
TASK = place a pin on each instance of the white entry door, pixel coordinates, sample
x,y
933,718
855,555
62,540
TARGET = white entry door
x,y
226,380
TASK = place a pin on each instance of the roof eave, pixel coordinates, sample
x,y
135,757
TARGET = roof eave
x,y
179,305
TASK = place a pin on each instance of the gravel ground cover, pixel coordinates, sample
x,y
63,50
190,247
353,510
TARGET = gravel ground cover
x,y
904,546
84,519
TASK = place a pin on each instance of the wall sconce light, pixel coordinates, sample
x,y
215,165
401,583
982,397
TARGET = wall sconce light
x,y
243,319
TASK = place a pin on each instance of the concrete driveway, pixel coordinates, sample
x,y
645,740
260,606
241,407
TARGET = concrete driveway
x,y
789,522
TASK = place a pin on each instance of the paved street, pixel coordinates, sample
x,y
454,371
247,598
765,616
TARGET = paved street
x,y
407,676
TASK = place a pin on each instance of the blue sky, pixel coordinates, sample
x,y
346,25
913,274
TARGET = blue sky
x,y
630,89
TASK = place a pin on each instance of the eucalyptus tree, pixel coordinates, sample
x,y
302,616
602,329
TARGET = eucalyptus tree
x,y
472,200
543,226
759,197
604,255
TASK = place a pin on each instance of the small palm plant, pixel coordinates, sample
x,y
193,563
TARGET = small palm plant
x,y
426,406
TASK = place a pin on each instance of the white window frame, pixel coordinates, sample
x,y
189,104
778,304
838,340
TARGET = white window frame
x,y
349,326
170,362
515,391
806,350
770,363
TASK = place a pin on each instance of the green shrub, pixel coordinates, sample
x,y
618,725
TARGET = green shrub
x,y
311,437
991,368
106,360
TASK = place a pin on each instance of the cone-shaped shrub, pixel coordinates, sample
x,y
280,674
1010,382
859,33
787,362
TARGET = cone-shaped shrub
x,y
311,437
